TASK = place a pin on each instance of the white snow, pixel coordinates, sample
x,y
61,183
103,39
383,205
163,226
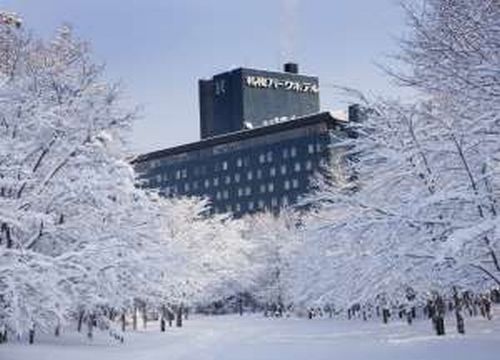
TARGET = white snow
x,y
255,337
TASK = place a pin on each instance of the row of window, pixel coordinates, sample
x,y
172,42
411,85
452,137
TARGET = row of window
x,y
266,157
242,191
236,178
254,205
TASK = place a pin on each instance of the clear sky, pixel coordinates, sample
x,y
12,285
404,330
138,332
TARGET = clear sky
x,y
159,48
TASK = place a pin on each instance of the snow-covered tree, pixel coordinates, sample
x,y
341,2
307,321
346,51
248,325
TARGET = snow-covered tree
x,y
276,240
69,240
421,212
206,256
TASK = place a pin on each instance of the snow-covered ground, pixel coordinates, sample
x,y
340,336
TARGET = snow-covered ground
x,y
256,338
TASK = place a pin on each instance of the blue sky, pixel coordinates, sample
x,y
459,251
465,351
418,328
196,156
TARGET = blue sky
x,y
159,48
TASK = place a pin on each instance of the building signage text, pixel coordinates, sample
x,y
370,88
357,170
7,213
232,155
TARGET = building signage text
x,y
273,83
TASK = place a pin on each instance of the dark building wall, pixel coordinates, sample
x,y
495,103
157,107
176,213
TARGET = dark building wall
x,y
286,96
255,97
206,106
249,171
228,103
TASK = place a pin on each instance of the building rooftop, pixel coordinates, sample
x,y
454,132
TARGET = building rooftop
x,y
239,135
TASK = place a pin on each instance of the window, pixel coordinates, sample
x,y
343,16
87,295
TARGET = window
x,y
218,195
295,183
259,174
283,169
229,208
262,158
238,207
186,186
310,148
261,204
237,177
224,165
216,181
248,191
195,185
262,188
184,173
285,153
177,174
269,156
274,202
239,162
225,194
293,151
207,183
318,147
227,179
250,205
308,165
158,178
240,192
297,167
249,175
270,187
287,184
272,171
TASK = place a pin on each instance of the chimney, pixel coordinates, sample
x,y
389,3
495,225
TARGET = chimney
x,y
292,68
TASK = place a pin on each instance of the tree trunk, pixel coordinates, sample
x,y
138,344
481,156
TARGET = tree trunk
x,y
458,312
57,332
486,308
439,325
170,315
31,335
90,326
240,306
144,317
5,229
163,316
460,322
134,319
3,334
439,310
123,320
385,315
80,321
178,318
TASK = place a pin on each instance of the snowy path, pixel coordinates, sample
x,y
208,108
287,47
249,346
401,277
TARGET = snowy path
x,y
257,338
